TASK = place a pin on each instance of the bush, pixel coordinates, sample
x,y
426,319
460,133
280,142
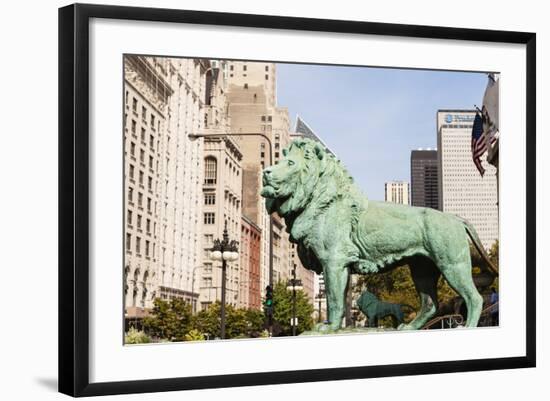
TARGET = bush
x,y
194,335
135,336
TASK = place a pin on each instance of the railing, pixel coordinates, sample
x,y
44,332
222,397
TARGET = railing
x,y
455,320
446,322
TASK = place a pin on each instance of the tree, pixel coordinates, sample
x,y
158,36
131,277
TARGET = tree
x,y
282,310
239,322
169,320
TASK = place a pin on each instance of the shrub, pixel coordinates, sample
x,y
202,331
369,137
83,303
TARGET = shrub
x,y
135,336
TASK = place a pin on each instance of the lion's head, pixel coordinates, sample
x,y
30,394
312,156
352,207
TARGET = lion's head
x,y
289,185
308,175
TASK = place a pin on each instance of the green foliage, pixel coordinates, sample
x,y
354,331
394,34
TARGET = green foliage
x,y
135,336
239,322
396,286
170,320
282,299
194,335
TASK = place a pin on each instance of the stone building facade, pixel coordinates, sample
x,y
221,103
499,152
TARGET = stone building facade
x,y
164,102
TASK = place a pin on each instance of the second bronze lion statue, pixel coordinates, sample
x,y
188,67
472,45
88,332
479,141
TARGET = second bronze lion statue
x,y
339,231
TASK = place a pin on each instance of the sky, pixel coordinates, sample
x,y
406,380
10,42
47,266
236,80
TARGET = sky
x,y
372,118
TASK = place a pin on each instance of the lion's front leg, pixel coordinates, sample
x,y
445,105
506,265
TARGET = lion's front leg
x,y
336,281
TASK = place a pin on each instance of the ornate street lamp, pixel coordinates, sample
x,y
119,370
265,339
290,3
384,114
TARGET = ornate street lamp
x,y
224,250
294,285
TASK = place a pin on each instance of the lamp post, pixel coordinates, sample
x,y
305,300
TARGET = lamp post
x,y
320,297
225,251
193,137
294,285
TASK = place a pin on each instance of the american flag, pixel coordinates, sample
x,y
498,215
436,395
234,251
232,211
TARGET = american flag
x,y
479,145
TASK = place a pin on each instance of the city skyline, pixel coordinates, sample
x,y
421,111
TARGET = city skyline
x,y
388,112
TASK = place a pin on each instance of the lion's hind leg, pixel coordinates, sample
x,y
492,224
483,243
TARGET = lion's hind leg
x,y
425,276
459,277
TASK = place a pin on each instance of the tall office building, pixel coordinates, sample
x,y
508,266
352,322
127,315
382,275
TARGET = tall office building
x,y
222,191
424,178
252,109
462,190
397,192
164,102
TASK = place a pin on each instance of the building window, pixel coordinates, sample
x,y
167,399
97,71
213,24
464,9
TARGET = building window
x,y
138,245
130,194
269,118
153,121
139,221
140,199
245,86
266,68
208,267
231,67
134,105
210,199
147,244
142,155
132,149
263,118
131,172
266,77
129,217
133,127
128,242
149,205
141,177
150,183
152,142
207,282
150,162
148,226
208,240
143,134
244,67
210,170
209,218
144,113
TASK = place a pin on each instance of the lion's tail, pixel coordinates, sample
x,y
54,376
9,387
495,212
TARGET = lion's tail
x,y
470,230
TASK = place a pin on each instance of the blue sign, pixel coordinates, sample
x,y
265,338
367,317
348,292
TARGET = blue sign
x,y
459,118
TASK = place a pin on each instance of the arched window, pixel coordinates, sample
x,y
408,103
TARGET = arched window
x,y
210,170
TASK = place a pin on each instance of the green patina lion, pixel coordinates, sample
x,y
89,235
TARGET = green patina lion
x,y
375,309
339,231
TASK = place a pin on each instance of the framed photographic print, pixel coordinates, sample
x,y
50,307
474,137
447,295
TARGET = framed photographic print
x,y
251,199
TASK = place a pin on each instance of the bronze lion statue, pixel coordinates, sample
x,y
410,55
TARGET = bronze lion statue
x,y
375,309
338,231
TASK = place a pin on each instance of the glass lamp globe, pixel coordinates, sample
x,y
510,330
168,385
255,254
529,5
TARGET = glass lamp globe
x,y
216,255
235,255
227,256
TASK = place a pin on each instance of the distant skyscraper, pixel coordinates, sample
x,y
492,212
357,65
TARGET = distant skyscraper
x,y
424,188
462,190
301,129
397,192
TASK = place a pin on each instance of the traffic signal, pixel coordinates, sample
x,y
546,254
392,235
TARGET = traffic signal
x,y
268,296
268,304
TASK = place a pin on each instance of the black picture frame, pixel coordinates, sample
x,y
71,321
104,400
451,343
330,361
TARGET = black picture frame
x,y
74,194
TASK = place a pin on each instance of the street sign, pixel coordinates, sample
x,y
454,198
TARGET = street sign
x,y
294,321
